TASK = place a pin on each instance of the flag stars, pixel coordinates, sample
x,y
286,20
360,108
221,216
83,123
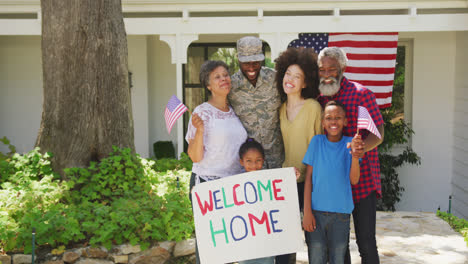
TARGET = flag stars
x,y
317,41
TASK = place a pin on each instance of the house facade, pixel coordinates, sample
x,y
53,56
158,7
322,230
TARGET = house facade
x,y
168,39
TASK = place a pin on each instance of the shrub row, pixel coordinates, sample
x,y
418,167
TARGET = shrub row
x,y
123,198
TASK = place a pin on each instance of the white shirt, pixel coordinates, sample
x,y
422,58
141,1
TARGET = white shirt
x,y
223,135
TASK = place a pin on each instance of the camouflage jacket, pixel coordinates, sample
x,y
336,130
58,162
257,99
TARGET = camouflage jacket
x,y
258,109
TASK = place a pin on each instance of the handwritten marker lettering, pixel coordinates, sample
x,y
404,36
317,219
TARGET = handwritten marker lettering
x,y
236,202
246,232
221,231
264,219
260,186
239,223
250,193
242,226
277,190
253,190
207,207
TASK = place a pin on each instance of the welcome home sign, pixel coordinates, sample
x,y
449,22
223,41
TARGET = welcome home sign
x,y
247,216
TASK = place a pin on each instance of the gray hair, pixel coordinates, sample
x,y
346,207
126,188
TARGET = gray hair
x,y
335,53
206,69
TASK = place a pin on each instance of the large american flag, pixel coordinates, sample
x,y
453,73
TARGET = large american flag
x,y
174,109
371,58
365,121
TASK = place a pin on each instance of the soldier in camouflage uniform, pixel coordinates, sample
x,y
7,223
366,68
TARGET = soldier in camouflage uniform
x,y
256,100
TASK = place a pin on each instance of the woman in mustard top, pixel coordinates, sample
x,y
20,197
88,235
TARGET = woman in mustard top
x,y
300,114
297,81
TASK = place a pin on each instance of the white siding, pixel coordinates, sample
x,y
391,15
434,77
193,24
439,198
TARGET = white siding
x,y
428,186
161,86
138,66
20,90
460,124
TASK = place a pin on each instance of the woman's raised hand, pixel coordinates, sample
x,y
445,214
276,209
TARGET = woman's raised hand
x,y
197,122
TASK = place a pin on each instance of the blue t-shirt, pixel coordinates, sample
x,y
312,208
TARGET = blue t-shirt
x,y
331,162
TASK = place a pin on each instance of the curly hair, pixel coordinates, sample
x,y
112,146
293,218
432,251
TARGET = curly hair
x,y
306,59
206,69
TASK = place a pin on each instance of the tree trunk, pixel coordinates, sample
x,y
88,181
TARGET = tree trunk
x,y
87,102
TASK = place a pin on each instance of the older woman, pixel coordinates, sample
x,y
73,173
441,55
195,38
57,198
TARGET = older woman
x,y
214,132
300,114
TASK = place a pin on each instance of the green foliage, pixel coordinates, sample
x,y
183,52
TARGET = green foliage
x,y
163,149
397,132
4,140
163,165
269,63
29,197
119,200
458,224
121,173
229,56
21,169
5,159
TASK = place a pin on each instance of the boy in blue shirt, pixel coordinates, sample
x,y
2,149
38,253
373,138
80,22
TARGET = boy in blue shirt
x,y
328,199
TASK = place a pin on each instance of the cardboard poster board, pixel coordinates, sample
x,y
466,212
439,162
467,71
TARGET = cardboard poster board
x,y
247,216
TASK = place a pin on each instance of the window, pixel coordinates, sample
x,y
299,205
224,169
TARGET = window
x,y
402,87
194,93
401,108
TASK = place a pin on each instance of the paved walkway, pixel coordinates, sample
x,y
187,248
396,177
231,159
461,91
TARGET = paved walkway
x,y
411,238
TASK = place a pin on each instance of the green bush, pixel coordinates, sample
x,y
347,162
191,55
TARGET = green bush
x,y
395,133
30,197
164,149
121,199
458,224
5,160
4,140
20,169
172,164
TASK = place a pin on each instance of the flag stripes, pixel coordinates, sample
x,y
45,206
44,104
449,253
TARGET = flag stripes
x,y
370,70
358,77
371,58
366,44
365,121
376,63
174,109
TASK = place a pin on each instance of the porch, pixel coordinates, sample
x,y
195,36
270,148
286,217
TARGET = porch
x,y
411,237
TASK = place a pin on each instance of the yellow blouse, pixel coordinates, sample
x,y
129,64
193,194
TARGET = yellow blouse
x,y
298,133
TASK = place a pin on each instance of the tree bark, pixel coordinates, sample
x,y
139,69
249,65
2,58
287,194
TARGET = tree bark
x,y
87,102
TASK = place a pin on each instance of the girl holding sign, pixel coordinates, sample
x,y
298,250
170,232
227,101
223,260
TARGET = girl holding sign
x,y
251,156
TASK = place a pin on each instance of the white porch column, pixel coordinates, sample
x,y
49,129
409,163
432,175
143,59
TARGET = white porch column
x,y
179,43
278,41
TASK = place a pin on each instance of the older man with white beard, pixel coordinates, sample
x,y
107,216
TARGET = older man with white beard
x,y
334,86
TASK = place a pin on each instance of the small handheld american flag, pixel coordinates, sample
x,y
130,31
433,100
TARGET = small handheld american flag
x,y
174,109
365,121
